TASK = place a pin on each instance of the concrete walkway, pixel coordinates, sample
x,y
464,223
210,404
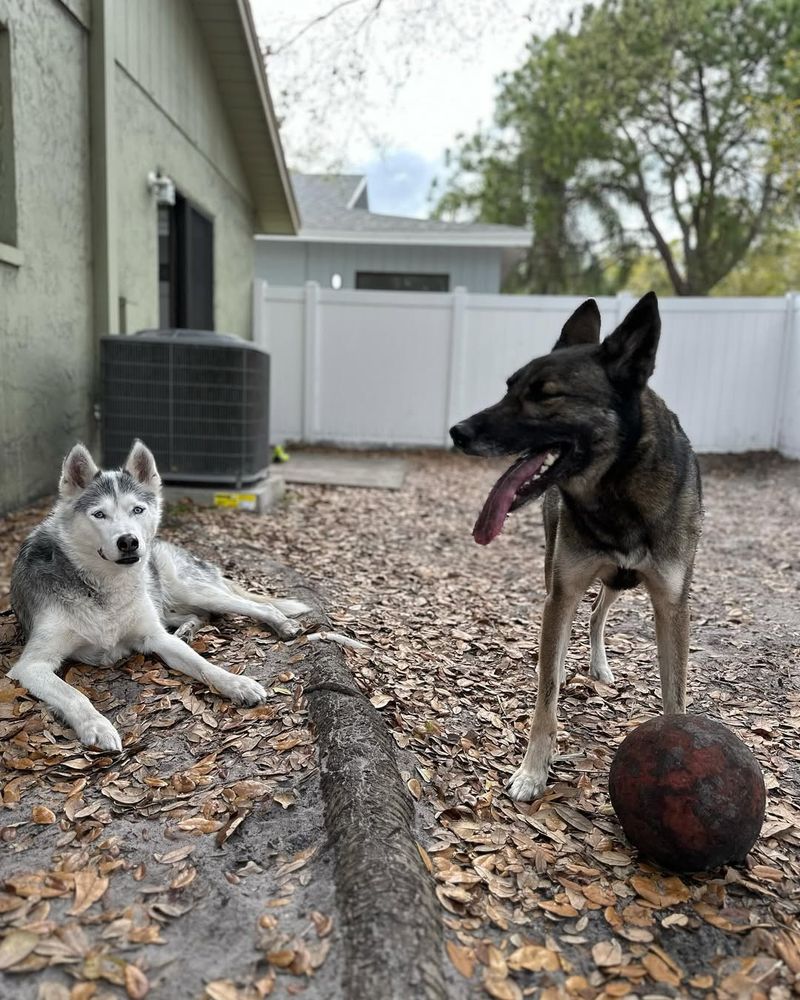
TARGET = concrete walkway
x,y
331,469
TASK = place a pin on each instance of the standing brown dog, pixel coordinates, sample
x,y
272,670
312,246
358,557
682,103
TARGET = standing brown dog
x,y
622,499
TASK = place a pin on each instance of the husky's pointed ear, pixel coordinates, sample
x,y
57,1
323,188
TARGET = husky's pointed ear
x,y
629,353
77,472
142,466
583,327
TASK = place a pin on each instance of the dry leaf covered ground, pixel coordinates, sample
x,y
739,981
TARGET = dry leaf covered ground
x,y
194,864
545,900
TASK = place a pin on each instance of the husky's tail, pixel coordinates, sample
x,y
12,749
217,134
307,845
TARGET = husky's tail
x,y
287,606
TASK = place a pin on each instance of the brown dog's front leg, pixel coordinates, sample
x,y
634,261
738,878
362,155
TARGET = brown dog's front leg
x,y
672,638
669,591
530,780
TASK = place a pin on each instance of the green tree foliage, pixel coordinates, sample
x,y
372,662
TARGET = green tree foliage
x,y
772,267
646,125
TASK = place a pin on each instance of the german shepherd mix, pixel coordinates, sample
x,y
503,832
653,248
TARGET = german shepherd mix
x,y
622,500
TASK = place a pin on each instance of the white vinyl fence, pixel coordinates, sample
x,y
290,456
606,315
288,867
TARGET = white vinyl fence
x,y
365,368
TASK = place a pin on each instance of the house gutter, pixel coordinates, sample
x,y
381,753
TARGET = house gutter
x,y
103,176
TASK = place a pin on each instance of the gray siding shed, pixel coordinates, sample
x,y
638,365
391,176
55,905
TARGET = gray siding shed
x,y
286,262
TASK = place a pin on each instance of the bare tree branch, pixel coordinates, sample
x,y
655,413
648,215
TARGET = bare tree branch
x,y
320,19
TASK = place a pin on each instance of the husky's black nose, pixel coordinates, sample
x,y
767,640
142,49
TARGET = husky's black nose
x,y
127,544
462,434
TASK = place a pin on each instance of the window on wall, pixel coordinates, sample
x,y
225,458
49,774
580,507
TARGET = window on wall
x,y
389,281
8,186
185,266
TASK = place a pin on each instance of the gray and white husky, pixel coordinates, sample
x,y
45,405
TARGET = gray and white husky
x,y
93,583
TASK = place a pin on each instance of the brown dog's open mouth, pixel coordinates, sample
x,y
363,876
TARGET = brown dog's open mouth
x,y
522,482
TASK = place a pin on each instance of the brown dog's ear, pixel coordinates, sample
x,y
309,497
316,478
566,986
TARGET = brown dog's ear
x,y
583,327
77,472
629,353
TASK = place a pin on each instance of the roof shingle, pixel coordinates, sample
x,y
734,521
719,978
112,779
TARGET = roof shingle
x,y
330,204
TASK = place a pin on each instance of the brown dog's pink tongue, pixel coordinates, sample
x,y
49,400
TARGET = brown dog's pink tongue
x,y
493,516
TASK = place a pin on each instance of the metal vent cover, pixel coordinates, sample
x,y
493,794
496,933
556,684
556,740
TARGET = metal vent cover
x,y
199,400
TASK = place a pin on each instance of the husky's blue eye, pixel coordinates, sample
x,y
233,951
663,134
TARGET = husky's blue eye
x,y
138,510
99,515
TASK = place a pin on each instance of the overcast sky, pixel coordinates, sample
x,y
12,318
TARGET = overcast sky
x,y
427,78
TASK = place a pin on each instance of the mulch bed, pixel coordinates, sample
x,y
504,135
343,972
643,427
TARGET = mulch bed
x,y
194,863
548,899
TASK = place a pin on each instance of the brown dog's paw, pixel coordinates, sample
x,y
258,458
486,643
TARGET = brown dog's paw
x,y
527,786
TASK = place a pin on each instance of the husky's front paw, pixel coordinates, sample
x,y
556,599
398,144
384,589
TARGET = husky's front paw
x,y
97,731
526,786
288,630
188,630
241,690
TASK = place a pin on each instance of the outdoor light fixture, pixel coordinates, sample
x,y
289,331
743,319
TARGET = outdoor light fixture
x,y
162,187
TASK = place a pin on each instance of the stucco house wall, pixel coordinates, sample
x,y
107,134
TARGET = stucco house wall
x,y
284,262
103,92
46,335
169,115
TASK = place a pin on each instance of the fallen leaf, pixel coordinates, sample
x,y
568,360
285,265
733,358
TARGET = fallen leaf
x,y
323,924
107,967
199,824
124,796
607,953
534,959
16,946
659,971
281,957
89,888
184,877
222,989
463,959
136,984
172,857
501,989
231,826
660,891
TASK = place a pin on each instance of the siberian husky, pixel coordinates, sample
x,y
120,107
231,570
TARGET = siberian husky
x,y
622,499
93,583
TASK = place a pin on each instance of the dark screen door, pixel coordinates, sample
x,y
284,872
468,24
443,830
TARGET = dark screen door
x,y
186,267
196,283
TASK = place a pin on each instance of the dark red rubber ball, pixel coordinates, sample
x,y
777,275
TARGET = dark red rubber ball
x,y
688,793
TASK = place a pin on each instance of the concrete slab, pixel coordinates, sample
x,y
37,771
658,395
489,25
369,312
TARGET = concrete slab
x,y
257,499
328,469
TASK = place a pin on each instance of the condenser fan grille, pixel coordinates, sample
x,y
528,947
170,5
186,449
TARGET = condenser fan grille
x,y
199,401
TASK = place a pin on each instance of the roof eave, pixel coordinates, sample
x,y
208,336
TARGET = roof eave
x,y
244,91
520,240
271,119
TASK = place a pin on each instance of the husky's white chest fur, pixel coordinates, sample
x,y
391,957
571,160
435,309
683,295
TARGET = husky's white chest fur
x,y
114,622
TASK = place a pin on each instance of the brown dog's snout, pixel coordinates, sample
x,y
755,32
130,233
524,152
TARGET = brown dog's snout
x,y
462,434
